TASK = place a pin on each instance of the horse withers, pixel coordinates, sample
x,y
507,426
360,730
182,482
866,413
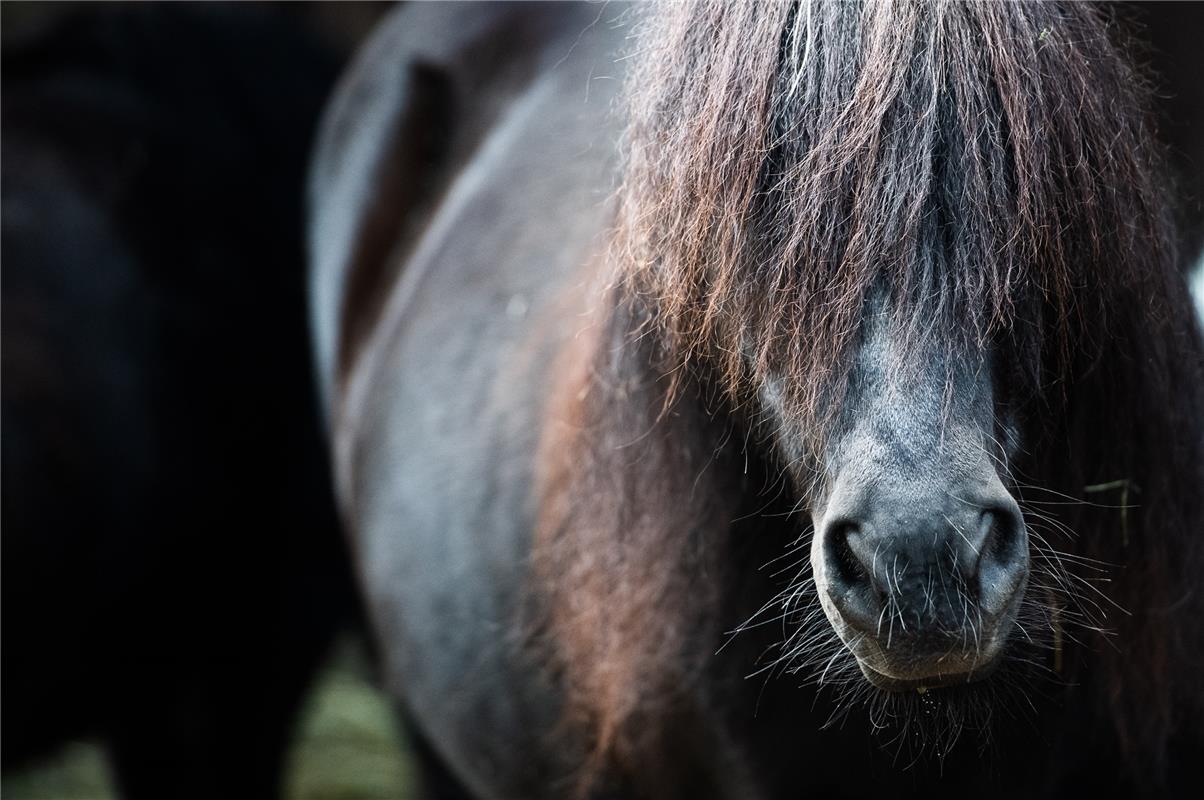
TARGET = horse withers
x,y
734,398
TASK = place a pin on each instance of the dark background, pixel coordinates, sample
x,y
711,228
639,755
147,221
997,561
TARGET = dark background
x,y
179,618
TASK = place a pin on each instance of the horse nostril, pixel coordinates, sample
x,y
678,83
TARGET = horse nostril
x,y
1000,536
846,567
1003,561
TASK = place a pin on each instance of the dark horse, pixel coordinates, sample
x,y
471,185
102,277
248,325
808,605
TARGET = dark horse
x,y
760,403
172,570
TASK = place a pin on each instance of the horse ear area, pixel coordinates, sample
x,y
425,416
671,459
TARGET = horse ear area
x,y
410,173
428,124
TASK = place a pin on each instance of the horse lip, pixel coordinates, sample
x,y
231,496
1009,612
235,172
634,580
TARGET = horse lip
x,y
893,683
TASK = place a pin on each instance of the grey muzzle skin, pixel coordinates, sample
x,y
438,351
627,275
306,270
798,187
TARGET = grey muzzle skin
x,y
920,553
922,579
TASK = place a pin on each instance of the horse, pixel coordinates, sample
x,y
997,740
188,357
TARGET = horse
x,y
173,575
747,400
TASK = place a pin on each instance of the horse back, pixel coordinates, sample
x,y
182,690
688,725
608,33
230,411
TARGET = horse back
x,y
408,116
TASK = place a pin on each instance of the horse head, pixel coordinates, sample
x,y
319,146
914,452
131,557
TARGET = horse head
x,y
858,229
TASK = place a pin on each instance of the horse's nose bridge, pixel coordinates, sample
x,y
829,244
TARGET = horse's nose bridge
x,y
909,532
923,490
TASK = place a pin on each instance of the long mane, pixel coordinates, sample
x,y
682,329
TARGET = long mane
x,y
990,164
993,168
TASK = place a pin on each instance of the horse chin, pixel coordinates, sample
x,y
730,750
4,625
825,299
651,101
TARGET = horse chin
x,y
922,683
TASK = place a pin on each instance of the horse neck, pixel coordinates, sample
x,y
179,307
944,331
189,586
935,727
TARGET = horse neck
x,y
635,494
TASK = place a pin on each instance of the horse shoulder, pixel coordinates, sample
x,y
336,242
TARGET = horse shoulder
x,y
436,377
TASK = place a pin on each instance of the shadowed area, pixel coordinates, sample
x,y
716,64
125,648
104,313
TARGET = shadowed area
x,y
346,746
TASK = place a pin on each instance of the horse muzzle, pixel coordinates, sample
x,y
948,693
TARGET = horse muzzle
x,y
922,586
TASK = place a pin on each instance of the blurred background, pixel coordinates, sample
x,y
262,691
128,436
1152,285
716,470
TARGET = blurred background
x,y
179,618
